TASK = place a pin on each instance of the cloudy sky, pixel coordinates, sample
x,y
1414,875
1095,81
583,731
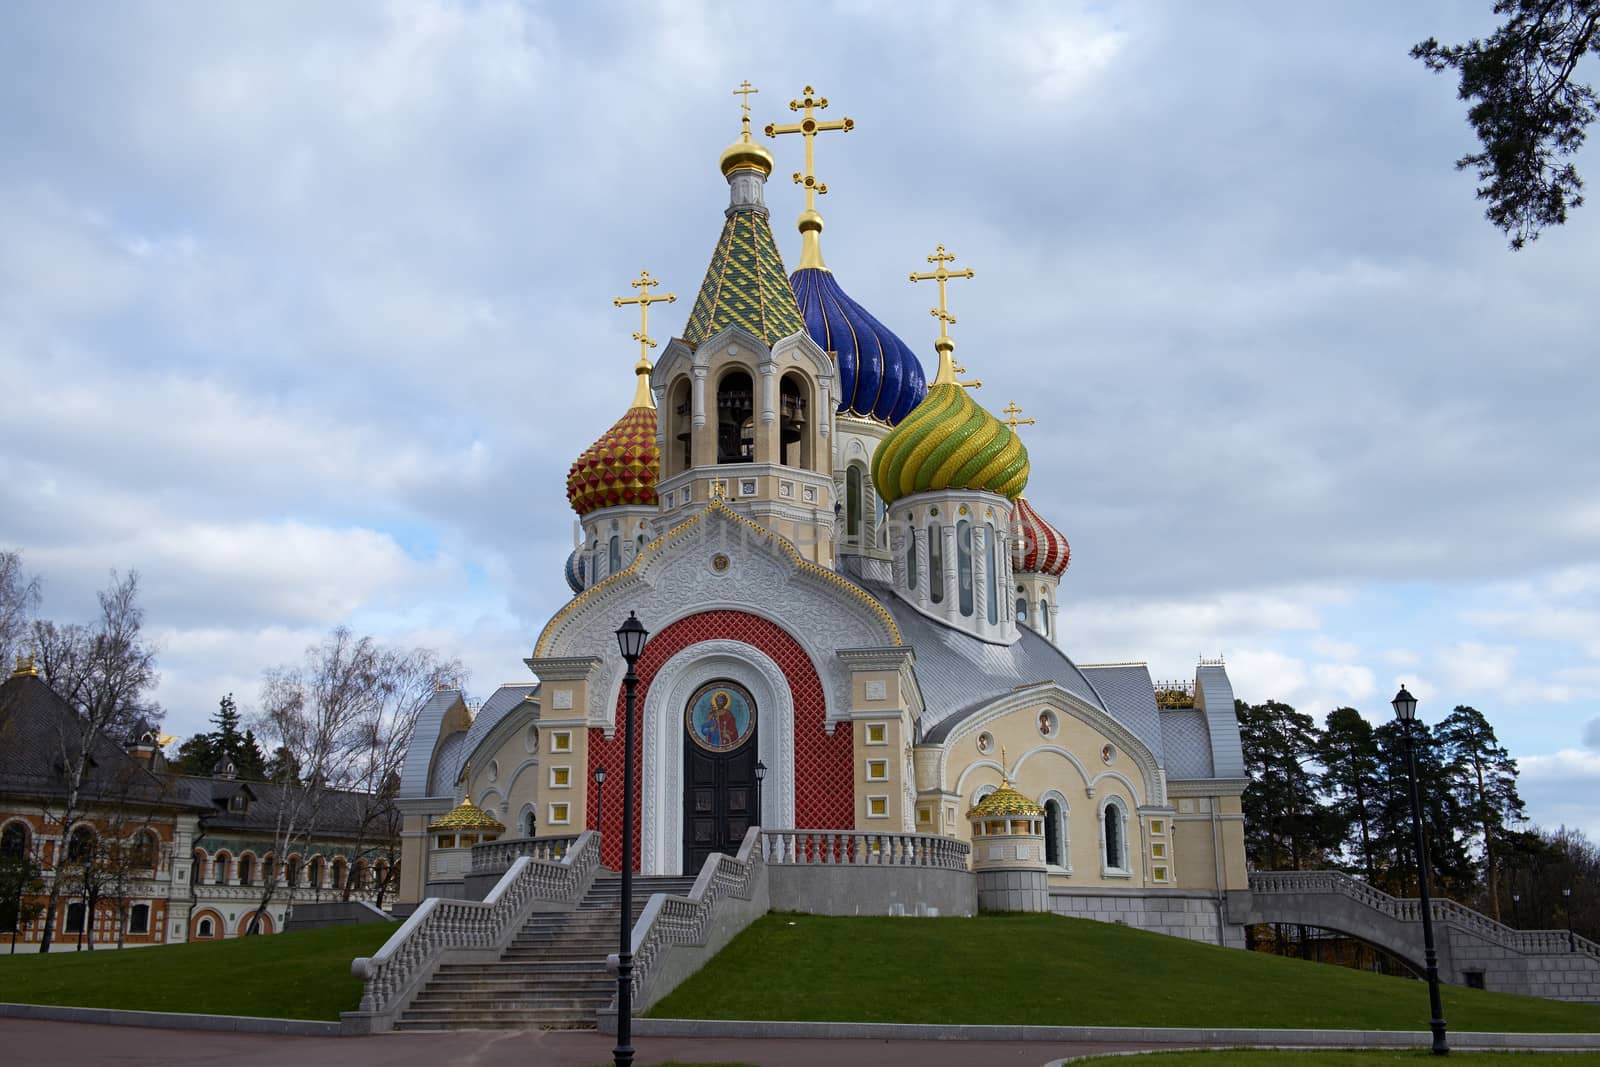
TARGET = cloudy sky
x,y
305,309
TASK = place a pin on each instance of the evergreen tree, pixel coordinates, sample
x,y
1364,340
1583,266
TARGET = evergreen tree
x,y
1443,823
283,767
251,764
1286,826
1484,778
198,756
1348,752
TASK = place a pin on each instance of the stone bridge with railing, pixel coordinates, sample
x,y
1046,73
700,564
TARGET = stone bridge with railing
x,y
1473,948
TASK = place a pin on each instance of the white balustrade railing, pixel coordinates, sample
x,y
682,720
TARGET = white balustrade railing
x,y
494,857
863,848
440,924
1405,909
673,920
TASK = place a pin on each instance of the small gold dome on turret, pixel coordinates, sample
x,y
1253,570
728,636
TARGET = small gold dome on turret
x,y
468,816
745,153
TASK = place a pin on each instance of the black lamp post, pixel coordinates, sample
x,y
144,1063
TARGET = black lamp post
x,y
631,636
761,774
599,799
1405,708
1566,902
1516,908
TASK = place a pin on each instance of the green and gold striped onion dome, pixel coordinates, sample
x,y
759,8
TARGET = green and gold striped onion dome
x,y
949,442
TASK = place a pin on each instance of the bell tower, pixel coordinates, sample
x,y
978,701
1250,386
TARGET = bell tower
x,y
746,395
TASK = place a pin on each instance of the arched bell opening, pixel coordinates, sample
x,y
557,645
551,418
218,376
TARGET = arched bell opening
x,y
735,418
794,423
677,455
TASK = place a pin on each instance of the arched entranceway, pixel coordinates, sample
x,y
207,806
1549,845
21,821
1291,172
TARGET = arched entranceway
x,y
719,770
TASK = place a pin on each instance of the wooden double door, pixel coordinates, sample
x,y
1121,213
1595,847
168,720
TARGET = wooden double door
x,y
719,772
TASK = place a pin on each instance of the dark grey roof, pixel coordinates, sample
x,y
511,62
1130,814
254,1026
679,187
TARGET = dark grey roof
x,y
960,674
338,813
1187,738
1130,697
33,720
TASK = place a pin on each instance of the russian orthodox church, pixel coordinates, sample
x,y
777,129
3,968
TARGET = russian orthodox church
x,y
854,614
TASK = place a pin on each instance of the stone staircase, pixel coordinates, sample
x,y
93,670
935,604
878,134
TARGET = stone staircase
x,y
551,977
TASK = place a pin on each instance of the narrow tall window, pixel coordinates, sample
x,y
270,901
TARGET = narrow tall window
x,y
1022,610
614,557
529,824
1052,833
1115,857
247,870
852,502
1044,617
935,563
222,868
14,842
75,917
80,846
992,585
911,558
964,566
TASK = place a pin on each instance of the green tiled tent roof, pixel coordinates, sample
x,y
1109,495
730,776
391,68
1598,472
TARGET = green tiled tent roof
x,y
746,286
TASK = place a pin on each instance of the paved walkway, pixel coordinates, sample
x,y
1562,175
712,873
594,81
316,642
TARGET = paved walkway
x,y
51,1044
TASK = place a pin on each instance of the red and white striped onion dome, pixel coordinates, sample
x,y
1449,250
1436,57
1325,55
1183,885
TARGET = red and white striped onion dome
x,y
1039,548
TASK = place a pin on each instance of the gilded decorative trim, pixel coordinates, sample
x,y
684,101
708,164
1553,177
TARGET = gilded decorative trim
x,y
717,505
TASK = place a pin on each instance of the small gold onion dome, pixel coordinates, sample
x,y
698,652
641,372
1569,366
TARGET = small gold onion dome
x,y
745,153
468,816
1005,802
623,466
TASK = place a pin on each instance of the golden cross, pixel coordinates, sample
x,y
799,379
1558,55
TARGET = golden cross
x,y
744,90
809,127
1012,411
644,300
944,345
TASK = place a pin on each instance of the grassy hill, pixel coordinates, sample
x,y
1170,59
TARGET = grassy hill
x,y
1051,970
285,976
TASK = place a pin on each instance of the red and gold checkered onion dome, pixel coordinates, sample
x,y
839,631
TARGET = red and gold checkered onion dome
x,y
622,467
1039,548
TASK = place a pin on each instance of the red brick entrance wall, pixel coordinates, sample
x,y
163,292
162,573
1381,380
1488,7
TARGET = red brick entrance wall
x,y
824,779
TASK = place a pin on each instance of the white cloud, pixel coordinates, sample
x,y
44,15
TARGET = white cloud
x,y
1331,648
1475,667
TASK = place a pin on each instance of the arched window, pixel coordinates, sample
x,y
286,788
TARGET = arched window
x,y
359,875
911,558
269,869
530,824
338,873
964,567
221,867
80,846
614,556
735,421
145,848
14,841
294,872
852,502
247,869
678,455
205,928
993,584
794,425
935,563
1022,609
1044,617
1114,835
139,919
316,872
1055,832
197,867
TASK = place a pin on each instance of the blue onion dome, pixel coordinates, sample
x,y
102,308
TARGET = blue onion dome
x,y
574,572
879,376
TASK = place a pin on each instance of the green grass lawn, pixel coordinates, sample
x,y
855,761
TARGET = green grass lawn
x,y
1051,970
1261,1057
302,975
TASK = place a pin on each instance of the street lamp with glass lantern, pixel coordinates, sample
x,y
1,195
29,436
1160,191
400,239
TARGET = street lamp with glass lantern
x,y
600,800
1405,709
761,775
1516,908
631,636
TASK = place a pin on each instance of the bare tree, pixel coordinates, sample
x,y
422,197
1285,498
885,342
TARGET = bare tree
x,y
19,599
104,671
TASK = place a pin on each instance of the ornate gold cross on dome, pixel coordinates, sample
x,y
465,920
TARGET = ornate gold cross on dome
x,y
744,90
948,368
1012,412
808,127
644,300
